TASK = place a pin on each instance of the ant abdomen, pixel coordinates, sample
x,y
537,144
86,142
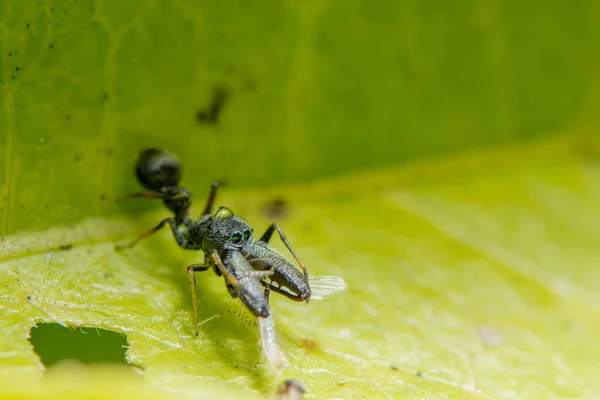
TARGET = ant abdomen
x,y
158,170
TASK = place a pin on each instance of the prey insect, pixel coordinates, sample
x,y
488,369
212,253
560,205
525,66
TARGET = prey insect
x,y
251,269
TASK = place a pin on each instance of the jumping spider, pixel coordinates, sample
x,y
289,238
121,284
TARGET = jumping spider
x,y
251,269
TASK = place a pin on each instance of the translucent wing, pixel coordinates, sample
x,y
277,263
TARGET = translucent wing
x,y
323,286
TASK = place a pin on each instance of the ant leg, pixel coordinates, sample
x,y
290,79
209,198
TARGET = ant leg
x,y
192,278
144,195
270,286
267,236
176,199
211,198
144,235
180,235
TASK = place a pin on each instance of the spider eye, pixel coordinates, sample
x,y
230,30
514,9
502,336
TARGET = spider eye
x,y
236,237
247,234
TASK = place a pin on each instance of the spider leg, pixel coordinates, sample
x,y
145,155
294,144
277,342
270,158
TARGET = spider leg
x,y
192,278
267,236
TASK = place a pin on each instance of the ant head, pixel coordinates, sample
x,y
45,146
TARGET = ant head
x,y
228,230
157,169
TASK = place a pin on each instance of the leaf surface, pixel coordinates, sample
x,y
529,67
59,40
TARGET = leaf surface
x,y
469,277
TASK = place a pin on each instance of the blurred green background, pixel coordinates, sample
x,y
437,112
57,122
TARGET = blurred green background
x,y
314,88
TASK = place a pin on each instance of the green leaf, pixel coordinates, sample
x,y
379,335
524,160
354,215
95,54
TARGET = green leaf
x,y
470,277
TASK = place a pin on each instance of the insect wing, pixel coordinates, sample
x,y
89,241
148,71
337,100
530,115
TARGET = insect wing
x,y
324,286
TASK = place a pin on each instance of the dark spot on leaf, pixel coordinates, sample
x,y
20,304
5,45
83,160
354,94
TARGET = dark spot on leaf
x,y
104,97
290,388
309,345
29,298
102,197
202,116
16,69
77,157
52,10
13,77
420,375
51,46
27,26
211,114
68,117
110,151
276,209
65,247
54,343
394,368
9,54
